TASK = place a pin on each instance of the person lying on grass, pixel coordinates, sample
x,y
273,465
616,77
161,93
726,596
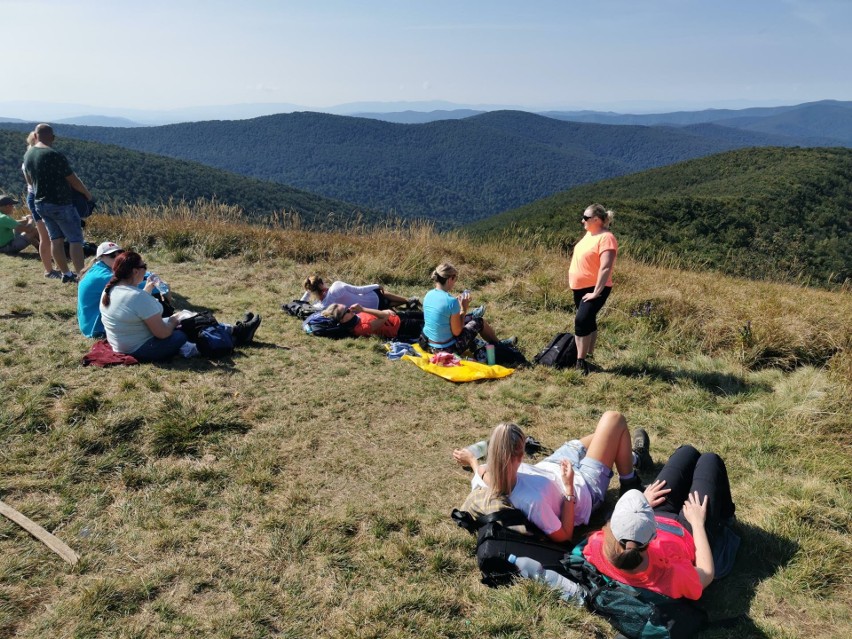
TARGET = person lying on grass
x,y
561,491
369,296
360,321
664,540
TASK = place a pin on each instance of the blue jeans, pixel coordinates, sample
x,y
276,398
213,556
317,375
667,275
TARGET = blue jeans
x,y
62,221
156,349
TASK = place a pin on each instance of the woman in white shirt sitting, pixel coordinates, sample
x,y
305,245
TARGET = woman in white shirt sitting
x,y
132,318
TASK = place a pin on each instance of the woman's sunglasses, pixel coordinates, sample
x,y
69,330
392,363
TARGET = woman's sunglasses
x,y
586,218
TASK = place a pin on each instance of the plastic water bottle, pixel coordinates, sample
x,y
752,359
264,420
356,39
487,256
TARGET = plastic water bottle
x,y
531,569
479,449
160,284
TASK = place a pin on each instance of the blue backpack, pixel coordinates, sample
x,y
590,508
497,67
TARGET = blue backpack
x,y
215,341
321,326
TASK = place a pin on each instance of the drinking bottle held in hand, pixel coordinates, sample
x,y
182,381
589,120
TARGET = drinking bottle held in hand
x,y
479,449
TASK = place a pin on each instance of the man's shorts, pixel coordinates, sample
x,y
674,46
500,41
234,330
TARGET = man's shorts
x,y
18,244
62,221
597,475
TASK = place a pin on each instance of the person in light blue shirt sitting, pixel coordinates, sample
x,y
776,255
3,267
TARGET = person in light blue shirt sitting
x,y
91,287
447,324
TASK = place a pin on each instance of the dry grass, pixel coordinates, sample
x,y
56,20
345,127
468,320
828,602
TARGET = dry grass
x,y
302,487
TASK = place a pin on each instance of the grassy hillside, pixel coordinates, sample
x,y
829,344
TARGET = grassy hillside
x,y
451,171
303,487
763,213
118,176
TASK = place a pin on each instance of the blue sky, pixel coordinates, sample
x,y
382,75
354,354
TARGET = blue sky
x,y
602,54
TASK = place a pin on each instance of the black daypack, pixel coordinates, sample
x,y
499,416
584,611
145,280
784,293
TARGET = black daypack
x,y
495,541
299,308
560,353
506,355
212,338
635,612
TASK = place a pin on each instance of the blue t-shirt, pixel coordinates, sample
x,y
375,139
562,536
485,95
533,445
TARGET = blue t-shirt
x,y
89,292
438,306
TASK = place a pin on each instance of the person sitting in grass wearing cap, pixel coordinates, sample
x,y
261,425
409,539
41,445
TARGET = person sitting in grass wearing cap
x,y
94,279
15,235
665,539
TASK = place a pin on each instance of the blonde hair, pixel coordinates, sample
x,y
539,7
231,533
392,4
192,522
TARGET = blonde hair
x,y
443,272
31,138
505,445
335,312
620,557
600,212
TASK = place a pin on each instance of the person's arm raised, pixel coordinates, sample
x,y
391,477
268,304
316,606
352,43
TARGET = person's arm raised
x,y
695,512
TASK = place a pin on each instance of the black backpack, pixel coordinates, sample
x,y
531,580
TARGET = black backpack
x,y
635,612
495,541
560,353
299,308
212,338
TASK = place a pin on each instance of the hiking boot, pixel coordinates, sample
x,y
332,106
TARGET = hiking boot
x,y
630,484
54,275
478,312
69,278
509,341
641,444
583,367
413,303
243,332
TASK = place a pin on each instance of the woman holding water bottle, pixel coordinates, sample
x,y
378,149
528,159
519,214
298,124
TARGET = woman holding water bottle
x,y
93,280
447,324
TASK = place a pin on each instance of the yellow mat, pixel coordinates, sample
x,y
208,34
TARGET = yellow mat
x,y
466,371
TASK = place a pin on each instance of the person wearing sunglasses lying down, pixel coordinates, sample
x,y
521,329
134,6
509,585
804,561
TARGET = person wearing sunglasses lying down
x,y
663,540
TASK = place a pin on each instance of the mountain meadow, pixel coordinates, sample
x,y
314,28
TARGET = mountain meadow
x,y
771,213
450,171
303,486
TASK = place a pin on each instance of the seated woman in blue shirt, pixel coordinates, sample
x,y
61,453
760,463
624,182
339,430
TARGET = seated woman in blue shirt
x,y
92,283
447,324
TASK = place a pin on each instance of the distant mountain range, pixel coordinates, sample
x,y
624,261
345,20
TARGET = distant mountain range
x,y
773,213
118,176
451,171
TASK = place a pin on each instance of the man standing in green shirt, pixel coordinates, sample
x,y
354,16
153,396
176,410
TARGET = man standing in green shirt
x,y
52,180
15,235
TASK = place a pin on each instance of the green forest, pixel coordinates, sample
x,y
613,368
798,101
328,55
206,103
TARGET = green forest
x,y
773,213
450,171
118,176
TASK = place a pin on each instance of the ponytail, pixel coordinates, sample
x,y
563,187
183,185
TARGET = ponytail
x,y
599,211
122,269
505,445
443,272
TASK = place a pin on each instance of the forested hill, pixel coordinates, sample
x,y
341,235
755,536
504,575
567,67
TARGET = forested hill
x,y
117,175
453,171
771,213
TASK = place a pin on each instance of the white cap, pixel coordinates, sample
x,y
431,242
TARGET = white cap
x,y
108,248
633,519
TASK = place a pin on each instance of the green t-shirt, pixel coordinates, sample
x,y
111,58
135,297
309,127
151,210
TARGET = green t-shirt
x,y
47,170
7,229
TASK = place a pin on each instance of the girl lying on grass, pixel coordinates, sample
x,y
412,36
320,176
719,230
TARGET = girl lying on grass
x,y
665,540
561,491
369,296
360,321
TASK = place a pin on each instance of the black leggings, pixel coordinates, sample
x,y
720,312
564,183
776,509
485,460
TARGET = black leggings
x,y
688,471
586,321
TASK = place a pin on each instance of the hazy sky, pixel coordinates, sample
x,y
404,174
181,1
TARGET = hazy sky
x,y
161,54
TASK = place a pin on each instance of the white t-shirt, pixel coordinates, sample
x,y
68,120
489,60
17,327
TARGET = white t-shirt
x,y
124,318
346,294
539,494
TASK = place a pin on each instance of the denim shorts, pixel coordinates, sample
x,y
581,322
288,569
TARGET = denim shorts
x,y
62,221
597,475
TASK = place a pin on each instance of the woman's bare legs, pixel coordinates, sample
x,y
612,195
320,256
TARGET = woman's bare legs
x,y
610,443
488,333
44,249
